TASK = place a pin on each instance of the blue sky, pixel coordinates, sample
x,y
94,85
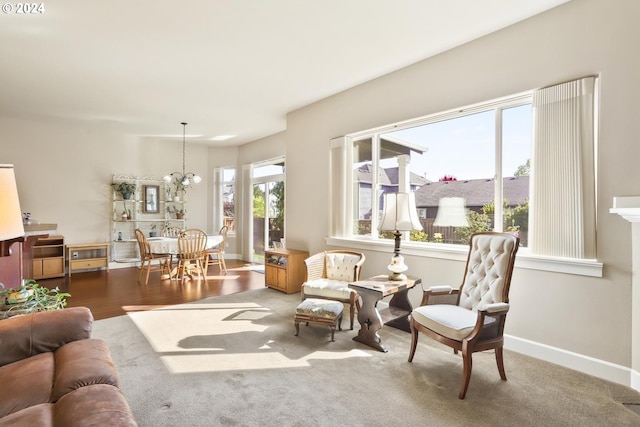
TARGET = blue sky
x,y
464,146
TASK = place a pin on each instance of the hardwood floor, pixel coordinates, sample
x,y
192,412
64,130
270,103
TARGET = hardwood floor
x,y
117,291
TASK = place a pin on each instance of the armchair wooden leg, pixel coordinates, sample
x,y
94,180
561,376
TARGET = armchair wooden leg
x,y
500,362
352,312
414,343
467,363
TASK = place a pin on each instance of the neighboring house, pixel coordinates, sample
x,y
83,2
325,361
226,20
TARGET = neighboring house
x,y
476,192
388,181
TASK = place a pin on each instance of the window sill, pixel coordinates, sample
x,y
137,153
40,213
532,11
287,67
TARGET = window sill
x,y
524,259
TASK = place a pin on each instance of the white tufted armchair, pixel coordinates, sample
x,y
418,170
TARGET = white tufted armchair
x,y
329,274
471,318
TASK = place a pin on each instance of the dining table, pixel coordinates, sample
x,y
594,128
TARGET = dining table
x,y
169,246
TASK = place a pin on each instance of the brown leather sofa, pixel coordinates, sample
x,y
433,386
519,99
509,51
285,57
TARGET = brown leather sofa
x,y
52,373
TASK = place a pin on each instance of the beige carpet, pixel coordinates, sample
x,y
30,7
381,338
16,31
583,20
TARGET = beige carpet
x,y
234,361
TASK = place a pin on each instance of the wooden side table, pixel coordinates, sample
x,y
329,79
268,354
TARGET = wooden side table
x,y
88,256
397,314
284,269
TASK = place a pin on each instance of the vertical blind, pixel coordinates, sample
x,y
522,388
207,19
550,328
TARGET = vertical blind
x,y
563,185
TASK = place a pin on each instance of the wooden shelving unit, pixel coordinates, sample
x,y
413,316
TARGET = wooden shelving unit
x,y
284,269
48,257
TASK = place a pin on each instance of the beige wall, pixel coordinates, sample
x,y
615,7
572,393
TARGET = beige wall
x,y
585,315
64,173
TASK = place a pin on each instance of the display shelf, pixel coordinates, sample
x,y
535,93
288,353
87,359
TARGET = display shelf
x,y
124,246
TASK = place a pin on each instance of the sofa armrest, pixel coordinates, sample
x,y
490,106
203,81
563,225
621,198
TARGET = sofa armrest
x,y
31,334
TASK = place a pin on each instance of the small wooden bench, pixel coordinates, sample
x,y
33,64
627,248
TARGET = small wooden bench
x,y
321,312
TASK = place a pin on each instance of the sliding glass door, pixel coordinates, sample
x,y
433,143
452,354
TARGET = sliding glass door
x,y
268,208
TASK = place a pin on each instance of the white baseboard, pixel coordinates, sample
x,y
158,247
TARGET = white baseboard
x,y
579,362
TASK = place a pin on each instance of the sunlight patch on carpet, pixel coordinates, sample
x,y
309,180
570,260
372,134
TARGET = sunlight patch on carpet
x,y
209,337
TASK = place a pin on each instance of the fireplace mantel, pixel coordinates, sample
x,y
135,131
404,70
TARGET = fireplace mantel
x,y
627,207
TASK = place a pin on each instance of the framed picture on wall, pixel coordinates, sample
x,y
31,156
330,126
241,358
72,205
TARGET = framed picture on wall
x,y
151,199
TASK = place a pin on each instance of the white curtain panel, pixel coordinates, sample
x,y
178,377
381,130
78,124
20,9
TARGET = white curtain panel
x,y
563,208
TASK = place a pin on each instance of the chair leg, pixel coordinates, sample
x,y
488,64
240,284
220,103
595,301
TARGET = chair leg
x,y
352,311
414,343
500,363
223,266
467,364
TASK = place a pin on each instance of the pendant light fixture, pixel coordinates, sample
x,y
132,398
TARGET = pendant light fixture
x,y
184,177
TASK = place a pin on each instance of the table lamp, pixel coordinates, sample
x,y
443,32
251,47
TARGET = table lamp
x,y
11,228
399,214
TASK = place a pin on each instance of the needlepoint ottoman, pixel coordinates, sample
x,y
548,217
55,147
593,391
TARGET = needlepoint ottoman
x,y
321,312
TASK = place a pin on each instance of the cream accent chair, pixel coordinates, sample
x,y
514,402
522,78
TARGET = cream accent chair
x,y
471,318
329,274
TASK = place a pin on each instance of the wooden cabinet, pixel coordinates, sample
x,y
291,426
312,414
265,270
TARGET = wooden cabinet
x,y
284,269
48,257
84,256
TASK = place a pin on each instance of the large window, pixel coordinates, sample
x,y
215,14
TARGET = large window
x,y
477,156
523,164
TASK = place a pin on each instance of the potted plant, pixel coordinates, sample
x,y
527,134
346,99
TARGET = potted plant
x,y
30,297
126,189
153,232
178,211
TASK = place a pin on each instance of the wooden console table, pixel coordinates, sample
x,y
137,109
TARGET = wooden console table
x,y
84,256
397,314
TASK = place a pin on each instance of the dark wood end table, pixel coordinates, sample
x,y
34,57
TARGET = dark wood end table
x,y
397,314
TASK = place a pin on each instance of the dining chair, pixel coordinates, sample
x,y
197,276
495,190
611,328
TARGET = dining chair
x,y
147,258
191,252
171,231
216,254
471,318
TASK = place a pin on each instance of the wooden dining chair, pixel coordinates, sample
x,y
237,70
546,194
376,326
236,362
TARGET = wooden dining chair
x,y
147,258
191,252
216,255
171,231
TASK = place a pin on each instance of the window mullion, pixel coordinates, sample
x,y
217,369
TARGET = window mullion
x,y
498,217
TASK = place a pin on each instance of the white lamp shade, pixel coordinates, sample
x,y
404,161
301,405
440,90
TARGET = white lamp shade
x,y
399,212
10,214
451,213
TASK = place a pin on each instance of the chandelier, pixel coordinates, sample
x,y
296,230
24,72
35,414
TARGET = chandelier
x,y
184,177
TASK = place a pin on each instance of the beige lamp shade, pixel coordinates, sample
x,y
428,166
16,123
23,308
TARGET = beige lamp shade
x,y
10,214
451,213
399,212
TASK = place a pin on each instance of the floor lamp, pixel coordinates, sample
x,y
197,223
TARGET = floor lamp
x,y
399,214
11,228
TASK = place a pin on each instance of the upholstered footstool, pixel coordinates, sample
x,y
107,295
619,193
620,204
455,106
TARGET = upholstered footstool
x,y
321,312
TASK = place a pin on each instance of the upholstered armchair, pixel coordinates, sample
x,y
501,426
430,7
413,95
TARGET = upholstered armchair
x,y
329,274
471,318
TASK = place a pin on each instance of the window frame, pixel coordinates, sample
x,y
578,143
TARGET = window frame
x,y
341,224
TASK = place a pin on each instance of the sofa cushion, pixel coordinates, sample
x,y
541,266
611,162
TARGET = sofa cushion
x,y
327,288
81,363
25,383
341,266
24,336
38,415
95,405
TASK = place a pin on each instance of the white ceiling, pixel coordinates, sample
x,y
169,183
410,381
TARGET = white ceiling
x,y
224,66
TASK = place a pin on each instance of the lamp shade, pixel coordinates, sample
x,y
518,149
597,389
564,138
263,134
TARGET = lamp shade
x,y
399,212
10,214
451,213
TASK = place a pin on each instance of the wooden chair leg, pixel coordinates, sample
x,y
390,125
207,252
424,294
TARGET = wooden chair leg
x,y
467,364
414,343
500,362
